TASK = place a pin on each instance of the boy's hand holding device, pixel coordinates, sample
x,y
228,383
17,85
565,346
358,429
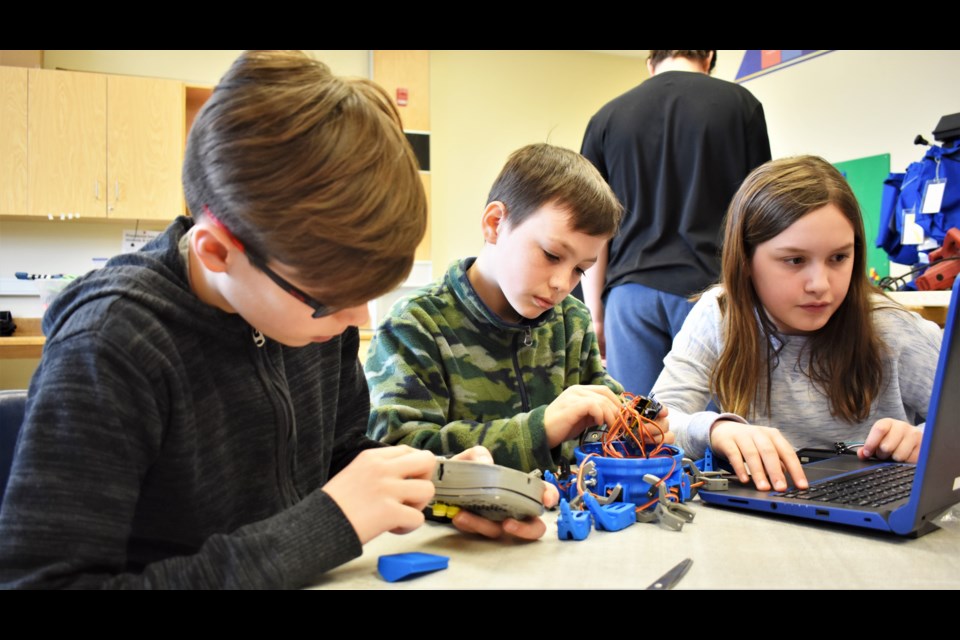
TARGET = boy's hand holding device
x,y
387,489
384,490
529,529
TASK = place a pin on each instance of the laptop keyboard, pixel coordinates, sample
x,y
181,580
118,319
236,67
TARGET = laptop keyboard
x,y
873,488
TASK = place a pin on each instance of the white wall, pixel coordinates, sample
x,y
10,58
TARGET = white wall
x,y
850,104
486,104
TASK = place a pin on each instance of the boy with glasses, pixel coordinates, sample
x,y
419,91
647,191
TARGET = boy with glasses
x,y
198,416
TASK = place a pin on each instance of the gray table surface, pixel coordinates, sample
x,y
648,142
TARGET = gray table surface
x,y
729,549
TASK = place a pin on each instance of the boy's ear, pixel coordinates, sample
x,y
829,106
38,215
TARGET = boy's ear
x,y
210,248
493,216
706,63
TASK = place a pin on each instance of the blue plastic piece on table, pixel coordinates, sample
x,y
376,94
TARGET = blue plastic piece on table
x,y
549,477
572,525
685,488
402,565
611,517
706,462
629,472
568,492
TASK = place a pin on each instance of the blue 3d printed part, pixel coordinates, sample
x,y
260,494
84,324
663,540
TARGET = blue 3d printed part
x,y
572,525
706,462
403,565
611,517
567,491
629,472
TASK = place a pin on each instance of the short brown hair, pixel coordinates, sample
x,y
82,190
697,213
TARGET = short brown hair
x,y
844,358
311,170
540,174
659,55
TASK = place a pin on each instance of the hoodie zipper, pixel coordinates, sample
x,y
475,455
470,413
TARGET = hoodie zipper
x,y
527,337
287,429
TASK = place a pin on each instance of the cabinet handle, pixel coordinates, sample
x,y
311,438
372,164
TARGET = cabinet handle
x,y
96,189
116,191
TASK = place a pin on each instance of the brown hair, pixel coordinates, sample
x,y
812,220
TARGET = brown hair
x,y
843,359
311,170
659,55
539,174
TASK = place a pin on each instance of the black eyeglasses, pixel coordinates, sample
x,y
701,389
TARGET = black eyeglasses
x,y
319,309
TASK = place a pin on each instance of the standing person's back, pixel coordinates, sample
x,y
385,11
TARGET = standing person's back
x,y
674,149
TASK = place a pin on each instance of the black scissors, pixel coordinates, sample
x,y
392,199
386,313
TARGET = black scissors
x,y
671,578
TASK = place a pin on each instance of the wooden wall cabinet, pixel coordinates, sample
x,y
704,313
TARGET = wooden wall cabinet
x,y
96,146
13,141
408,71
67,155
145,142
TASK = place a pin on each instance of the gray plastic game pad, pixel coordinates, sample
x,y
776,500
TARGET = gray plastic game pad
x,y
491,491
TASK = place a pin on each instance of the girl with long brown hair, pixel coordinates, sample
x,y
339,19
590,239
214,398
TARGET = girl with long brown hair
x,y
794,337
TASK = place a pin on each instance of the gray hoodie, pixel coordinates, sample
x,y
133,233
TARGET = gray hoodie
x,y
163,448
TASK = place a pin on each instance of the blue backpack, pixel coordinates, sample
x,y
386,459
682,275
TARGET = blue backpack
x,y
904,192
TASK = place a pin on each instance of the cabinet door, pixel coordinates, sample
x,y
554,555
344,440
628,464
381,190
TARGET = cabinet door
x,y
409,70
13,141
145,124
67,155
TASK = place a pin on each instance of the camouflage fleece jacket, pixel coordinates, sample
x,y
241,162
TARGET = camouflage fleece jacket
x,y
446,373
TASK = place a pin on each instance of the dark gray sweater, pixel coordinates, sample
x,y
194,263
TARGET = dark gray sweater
x,y
163,448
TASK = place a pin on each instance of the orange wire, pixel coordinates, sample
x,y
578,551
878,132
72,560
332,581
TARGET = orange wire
x,y
644,507
629,424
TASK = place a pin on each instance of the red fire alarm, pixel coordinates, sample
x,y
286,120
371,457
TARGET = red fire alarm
x,y
402,97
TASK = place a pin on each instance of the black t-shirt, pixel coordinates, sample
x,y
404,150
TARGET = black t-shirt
x,y
674,150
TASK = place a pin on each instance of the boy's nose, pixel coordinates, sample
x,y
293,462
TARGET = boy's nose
x,y
561,282
355,316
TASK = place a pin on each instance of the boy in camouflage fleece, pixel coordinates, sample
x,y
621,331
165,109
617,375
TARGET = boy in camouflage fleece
x,y
497,353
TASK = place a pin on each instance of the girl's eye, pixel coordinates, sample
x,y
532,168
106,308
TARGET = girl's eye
x,y
551,257
841,257
793,261
580,272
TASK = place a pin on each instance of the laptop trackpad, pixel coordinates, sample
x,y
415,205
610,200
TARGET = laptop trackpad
x,y
835,466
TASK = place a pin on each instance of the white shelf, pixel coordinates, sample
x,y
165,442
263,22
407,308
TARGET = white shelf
x,y
921,298
16,287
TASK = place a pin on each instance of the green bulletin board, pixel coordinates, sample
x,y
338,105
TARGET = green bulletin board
x,y
866,176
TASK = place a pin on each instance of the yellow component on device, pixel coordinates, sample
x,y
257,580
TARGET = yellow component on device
x,y
442,510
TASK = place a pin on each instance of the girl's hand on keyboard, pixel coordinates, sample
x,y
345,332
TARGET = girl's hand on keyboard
x,y
762,450
892,439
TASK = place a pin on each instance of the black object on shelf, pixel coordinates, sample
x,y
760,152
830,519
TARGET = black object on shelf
x,y
7,325
948,128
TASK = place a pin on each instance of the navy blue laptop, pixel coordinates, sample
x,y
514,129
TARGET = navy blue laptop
x,y
894,497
